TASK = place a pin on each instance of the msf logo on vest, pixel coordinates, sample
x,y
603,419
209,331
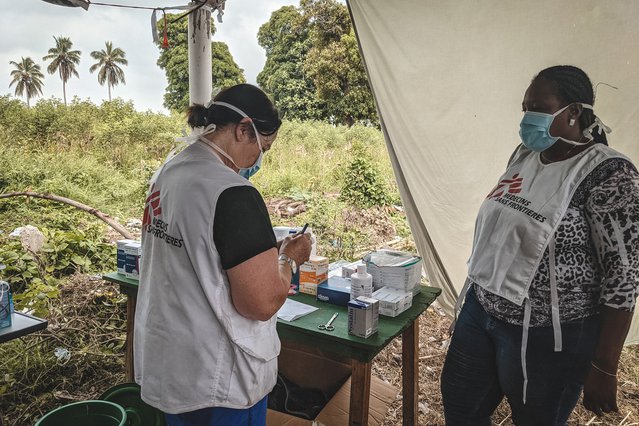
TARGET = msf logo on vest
x,y
152,223
151,204
510,186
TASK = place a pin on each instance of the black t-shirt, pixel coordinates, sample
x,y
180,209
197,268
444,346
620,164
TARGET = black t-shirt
x,y
242,227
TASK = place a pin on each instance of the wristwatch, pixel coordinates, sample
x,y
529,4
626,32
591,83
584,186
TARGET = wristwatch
x,y
282,258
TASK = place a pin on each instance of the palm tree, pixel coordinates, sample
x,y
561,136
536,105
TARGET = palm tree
x,y
63,60
27,77
108,61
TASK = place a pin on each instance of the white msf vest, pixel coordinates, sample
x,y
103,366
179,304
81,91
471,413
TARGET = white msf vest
x,y
192,348
518,220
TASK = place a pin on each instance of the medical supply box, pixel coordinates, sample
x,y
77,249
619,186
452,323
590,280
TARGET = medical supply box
x,y
393,302
363,316
396,269
336,290
121,255
312,273
133,252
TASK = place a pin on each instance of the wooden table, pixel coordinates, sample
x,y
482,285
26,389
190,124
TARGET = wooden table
x,y
304,332
21,325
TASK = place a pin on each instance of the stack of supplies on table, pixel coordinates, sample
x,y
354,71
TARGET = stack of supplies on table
x,y
393,302
395,269
313,273
128,258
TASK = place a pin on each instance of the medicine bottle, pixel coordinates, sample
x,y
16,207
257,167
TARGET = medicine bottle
x,y
361,283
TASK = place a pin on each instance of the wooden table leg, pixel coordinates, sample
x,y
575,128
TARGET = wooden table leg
x,y
410,374
131,300
360,393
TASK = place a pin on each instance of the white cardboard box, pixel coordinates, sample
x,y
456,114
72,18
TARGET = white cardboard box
x,y
393,302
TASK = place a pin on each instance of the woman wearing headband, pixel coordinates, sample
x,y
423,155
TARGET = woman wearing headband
x,y
212,274
554,271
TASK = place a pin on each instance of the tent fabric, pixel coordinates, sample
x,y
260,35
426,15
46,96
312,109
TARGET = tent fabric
x,y
449,78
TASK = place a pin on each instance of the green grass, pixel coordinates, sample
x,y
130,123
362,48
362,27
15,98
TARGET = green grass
x,y
104,155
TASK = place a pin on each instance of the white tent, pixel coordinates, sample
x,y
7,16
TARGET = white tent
x,y
449,78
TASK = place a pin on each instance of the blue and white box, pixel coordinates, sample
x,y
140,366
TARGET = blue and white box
x,y
363,316
336,290
121,244
133,252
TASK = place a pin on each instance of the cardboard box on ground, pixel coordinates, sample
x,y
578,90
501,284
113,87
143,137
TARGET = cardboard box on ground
x,y
313,370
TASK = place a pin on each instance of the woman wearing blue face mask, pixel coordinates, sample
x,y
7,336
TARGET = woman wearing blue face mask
x,y
554,272
212,274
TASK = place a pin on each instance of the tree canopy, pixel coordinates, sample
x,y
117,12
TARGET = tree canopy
x,y
174,60
27,77
109,61
313,67
63,60
285,37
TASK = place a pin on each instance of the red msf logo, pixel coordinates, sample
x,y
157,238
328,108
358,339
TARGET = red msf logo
x,y
513,184
151,203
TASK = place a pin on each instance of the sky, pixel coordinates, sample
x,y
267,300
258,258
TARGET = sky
x,y
29,26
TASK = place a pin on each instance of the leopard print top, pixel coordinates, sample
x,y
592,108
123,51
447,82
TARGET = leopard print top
x,y
597,253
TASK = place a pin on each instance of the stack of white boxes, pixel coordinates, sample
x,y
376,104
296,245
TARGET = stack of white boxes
x,y
393,302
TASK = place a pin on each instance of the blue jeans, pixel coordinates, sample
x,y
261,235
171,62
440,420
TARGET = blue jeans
x,y
219,416
483,364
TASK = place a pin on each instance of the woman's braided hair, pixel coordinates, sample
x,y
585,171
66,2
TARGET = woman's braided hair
x,y
573,85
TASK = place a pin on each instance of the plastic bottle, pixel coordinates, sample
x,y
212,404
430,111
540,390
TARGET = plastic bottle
x,y
361,283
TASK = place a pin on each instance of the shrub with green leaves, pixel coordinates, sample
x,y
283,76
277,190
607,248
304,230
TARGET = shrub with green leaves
x,y
363,184
33,277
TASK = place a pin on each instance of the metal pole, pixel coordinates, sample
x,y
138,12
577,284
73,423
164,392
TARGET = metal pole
x,y
200,73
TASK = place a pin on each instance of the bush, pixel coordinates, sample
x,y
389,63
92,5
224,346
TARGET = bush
x,y
34,276
363,184
312,157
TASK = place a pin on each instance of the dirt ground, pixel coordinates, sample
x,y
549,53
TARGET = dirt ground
x,y
434,341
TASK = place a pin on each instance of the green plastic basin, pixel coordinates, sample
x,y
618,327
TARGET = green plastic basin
x,y
139,413
85,413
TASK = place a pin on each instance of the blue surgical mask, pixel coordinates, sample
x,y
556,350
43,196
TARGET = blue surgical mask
x,y
247,172
534,130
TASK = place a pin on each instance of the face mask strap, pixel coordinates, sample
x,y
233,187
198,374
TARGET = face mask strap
x,y
602,128
560,111
239,111
587,132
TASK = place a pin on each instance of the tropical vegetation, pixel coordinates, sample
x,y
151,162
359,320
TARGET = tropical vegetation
x,y
108,65
313,66
174,60
27,78
63,61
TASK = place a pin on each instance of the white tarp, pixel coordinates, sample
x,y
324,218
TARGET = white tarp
x,y
449,78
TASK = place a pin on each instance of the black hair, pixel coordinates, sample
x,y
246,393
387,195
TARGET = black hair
x,y
573,85
248,98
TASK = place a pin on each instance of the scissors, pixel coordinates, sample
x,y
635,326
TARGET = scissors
x,y
328,326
